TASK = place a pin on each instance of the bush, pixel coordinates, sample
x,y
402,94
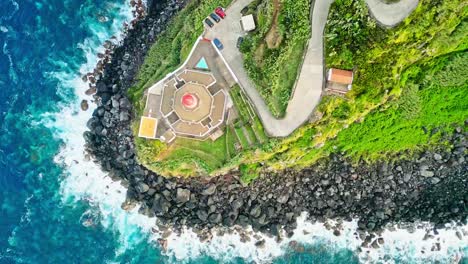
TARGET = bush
x,y
454,74
249,172
274,69
342,111
349,29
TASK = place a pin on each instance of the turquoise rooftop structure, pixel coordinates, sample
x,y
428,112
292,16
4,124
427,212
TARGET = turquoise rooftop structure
x,y
202,64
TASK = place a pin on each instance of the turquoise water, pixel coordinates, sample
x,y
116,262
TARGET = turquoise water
x,y
202,64
44,44
55,206
41,41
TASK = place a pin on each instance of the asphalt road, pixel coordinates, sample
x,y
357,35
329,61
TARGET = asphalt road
x,y
308,88
391,14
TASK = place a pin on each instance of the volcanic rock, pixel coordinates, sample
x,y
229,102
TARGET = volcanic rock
x,y
84,105
183,195
210,190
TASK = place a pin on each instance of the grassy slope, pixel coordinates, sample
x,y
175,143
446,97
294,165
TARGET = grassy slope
x,y
187,157
383,60
389,64
427,108
274,70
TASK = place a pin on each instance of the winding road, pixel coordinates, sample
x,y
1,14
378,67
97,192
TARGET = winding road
x,y
308,88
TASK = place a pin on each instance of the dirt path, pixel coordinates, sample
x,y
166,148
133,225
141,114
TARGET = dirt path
x,y
273,37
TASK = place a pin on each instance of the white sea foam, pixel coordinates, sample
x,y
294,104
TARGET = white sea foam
x,y
85,181
399,245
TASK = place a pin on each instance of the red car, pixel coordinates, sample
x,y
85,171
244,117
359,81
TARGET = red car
x,y
220,12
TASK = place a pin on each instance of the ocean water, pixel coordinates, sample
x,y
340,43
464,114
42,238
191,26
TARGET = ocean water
x,y
56,206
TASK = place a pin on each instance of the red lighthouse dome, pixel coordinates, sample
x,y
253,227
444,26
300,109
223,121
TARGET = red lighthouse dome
x,y
189,101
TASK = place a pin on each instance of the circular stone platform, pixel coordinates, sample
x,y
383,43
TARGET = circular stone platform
x,y
192,102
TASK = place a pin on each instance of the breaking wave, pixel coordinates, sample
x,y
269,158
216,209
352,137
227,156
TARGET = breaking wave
x,y
84,181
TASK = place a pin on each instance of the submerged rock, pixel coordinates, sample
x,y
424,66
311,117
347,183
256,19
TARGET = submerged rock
x,y
84,105
260,243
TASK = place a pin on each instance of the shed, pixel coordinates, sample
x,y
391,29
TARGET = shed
x,y
339,81
248,22
340,76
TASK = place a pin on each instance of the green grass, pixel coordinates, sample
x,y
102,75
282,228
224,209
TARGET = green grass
x,y
242,138
426,105
251,135
405,78
172,47
231,141
248,118
205,156
274,69
242,106
259,130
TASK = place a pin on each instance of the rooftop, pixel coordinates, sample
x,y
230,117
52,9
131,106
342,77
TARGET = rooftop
x,y
248,22
148,127
340,76
199,105
191,101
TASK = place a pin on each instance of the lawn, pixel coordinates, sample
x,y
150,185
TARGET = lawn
x,y
241,103
248,125
231,141
251,135
203,156
259,131
242,138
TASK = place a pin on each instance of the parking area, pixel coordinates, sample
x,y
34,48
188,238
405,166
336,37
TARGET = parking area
x,y
228,30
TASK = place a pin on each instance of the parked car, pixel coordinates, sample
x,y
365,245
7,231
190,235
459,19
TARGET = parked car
x,y
220,12
218,44
239,42
209,23
215,17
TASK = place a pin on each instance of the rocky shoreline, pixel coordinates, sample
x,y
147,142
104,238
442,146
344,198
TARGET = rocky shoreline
x,y
432,187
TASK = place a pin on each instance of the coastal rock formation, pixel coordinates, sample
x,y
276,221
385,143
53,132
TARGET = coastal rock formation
x,y
432,187
84,105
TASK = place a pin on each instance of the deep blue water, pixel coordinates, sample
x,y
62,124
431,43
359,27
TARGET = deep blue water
x,y
41,45
39,38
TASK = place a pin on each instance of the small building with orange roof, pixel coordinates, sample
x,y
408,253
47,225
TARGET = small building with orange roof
x,y
339,81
